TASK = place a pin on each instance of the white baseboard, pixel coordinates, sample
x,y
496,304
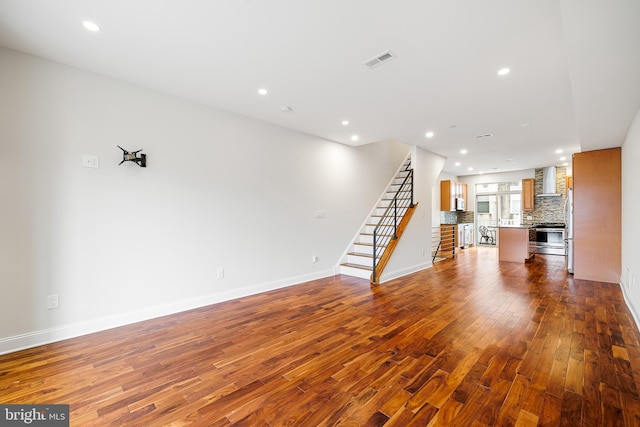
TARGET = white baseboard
x,y
59,333
391,275
628,301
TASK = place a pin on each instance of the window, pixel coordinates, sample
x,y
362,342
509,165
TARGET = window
x,y
498,203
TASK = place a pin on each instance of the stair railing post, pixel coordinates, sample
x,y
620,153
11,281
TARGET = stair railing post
x,y
395,217
374,254
411,185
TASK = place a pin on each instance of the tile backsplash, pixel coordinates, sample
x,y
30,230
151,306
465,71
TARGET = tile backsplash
x,y
456,217
549,209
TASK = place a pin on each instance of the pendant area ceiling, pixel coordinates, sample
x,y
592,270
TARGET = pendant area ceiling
x,y
573,82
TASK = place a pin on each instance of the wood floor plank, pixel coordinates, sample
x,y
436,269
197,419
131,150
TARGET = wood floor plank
x,y
469,342
512,408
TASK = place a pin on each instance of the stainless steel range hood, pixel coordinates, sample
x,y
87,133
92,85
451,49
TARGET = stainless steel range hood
x,y
549,182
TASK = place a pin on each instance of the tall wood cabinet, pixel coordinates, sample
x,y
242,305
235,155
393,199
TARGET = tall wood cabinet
x,y
597,225
528,194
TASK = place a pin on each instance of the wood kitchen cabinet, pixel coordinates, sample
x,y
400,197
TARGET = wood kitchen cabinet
x,y
597,215
449,192
528,196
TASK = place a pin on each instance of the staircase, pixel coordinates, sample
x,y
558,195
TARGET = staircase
x,y
382,229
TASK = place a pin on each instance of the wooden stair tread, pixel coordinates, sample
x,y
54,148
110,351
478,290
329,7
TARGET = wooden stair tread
x,y
361,267
381,216
362,254
370,244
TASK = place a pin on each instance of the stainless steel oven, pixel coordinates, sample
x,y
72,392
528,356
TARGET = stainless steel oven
x,y
550,239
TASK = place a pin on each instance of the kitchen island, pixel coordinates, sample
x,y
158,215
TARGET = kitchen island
x,y
513,243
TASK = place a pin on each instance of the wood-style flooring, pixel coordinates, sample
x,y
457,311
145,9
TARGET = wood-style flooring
x,y
469,342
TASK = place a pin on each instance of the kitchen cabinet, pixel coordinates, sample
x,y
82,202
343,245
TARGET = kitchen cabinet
x,y
449,192
597,215
528,196
464,196
464,235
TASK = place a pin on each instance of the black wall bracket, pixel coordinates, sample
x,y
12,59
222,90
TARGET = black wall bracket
x,y
132,156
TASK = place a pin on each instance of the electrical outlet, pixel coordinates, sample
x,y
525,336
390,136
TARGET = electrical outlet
x,y
320,214
314,258
221,273
53,301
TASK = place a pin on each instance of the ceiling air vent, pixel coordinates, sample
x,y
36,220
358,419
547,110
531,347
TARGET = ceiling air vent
x,y
380,59
484,135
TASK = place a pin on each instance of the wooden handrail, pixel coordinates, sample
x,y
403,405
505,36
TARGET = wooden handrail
x,y
384,259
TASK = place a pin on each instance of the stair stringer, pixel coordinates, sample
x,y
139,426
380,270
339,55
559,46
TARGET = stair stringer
x,y
388,252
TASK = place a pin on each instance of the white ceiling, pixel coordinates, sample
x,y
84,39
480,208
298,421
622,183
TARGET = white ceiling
x,y
575,66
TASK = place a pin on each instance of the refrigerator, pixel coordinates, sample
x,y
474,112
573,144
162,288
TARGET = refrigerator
x,y
568,221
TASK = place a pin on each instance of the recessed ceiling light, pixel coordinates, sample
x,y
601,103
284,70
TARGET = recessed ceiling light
x,y
355,137
262,91
463,151
286,109
563,158
565,164
429,134
525,124
91,26
457,163
345,122
503,71
481,173
559,151
470,168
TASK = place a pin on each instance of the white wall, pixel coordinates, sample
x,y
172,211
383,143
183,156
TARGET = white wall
x,y
123,243
630,224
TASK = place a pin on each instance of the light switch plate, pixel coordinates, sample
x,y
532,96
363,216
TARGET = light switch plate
x,y
53,301
90,161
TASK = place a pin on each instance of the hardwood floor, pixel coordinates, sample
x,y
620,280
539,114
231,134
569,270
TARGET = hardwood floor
x,y
470,342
